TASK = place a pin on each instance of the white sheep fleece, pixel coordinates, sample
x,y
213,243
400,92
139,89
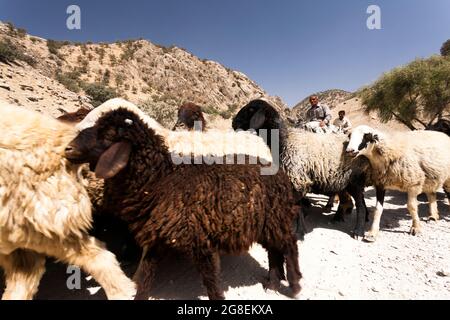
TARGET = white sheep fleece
x,y
182,143
45,208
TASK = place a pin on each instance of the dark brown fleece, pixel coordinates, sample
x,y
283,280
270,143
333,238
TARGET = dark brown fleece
x,y
200,210
188,114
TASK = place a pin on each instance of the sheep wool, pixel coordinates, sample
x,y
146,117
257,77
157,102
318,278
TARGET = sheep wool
x,y
45,207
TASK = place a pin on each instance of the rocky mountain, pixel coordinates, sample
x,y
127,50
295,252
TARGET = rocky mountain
x,y
55,75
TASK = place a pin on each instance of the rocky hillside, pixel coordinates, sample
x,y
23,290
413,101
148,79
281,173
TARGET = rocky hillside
x,y
159,78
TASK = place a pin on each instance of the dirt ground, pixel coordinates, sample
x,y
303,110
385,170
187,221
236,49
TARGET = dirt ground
x,y
334,266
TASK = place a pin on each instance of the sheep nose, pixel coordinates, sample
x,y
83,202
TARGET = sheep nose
x,y
69,152
352,152
69,149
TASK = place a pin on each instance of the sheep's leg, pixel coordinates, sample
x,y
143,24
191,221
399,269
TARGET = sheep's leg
x,y
209,267
100,263
329,205
434,213
276,269
375,228
361,212
292,266
345,206
146,271
23,272
412,208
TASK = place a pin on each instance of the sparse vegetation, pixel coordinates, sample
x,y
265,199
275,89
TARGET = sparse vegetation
x,y
70,80
163,111
113,59
15,32
106,77
53,45
120,78
101,53
10,53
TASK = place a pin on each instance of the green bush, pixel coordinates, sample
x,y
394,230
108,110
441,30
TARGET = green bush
x,y
70,80
99,93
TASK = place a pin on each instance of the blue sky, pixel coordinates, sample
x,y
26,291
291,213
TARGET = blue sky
x,y
290,47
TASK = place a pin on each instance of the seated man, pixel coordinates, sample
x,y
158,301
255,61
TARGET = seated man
x,y
318,117
342,124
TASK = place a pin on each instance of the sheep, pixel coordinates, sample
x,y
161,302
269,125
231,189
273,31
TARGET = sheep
x,y
209,146
315,163
190,114
414,162
200,210
45,209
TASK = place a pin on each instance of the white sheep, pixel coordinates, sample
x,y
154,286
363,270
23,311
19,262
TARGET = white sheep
x,y
414,162
45,209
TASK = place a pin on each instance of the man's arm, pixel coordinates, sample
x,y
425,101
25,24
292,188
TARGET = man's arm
x,y
348,124
328,116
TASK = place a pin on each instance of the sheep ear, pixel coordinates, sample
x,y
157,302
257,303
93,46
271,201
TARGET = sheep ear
x,y
113,160
258,119
376,138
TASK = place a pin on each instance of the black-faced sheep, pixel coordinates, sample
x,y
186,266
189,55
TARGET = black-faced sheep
x,y
45,209
314,162
414,162
190,115
200,210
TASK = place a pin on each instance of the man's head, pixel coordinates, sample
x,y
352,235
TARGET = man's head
x,y
341,114
314,100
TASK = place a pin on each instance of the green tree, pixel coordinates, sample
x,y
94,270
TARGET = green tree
x,y
445,49
416,94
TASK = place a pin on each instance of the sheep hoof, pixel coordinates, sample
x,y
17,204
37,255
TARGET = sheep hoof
x,y
270,285
415,231
432,219
295,290
358,237
370,238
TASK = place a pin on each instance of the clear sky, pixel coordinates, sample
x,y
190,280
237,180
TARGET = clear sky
x,y
290,47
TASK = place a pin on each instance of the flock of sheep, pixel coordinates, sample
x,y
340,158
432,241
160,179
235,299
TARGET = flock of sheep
x,y
200,193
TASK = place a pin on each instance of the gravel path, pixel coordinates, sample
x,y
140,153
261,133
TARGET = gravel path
x,y
334,266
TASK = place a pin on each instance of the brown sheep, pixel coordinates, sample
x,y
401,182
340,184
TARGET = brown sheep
x,y
188,114
199,210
